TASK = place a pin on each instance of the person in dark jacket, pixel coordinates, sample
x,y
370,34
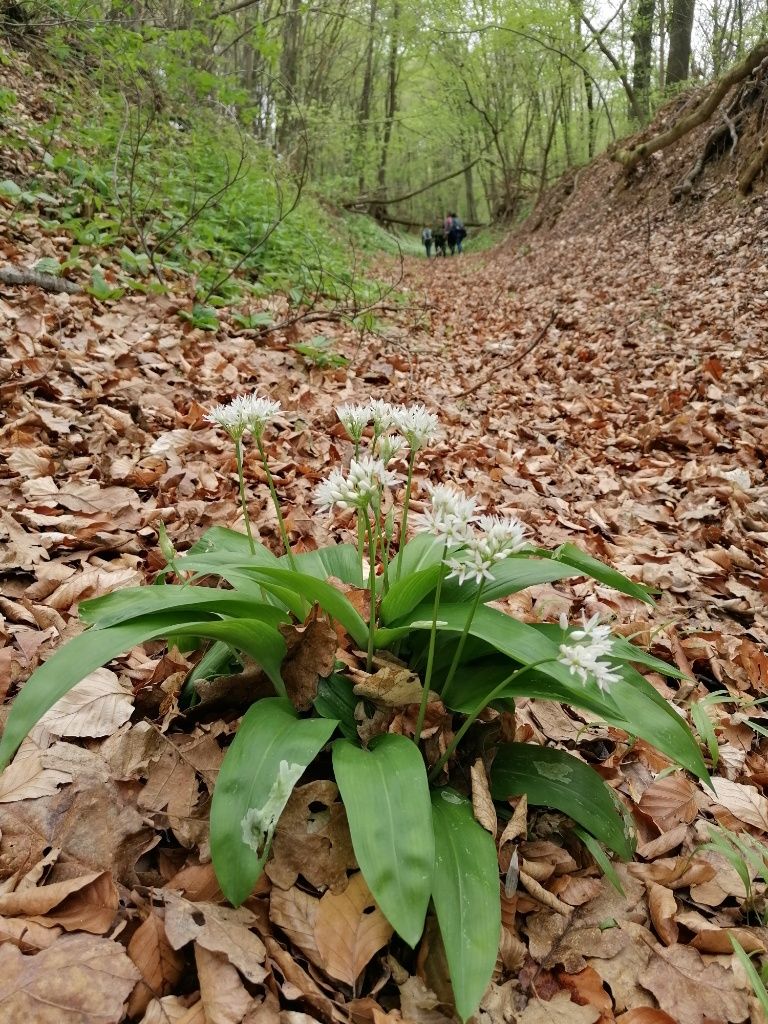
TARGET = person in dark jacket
x,y
438,236
426,238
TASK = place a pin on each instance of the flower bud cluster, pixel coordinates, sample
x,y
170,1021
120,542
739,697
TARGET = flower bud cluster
x,y
449,514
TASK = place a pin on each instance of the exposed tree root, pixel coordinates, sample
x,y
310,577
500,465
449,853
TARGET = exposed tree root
x,y
754,60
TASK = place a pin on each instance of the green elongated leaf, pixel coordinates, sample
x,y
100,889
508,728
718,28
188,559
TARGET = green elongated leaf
x,y
328,597
601,858
465,891
241,578
221,539
386,795
250,778
419,552
757,983
408,592
509,577
339,560
553,778
570,554
632,704
95,647
132,603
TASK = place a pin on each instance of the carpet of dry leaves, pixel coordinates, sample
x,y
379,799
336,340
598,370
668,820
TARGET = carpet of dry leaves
x,y
605,378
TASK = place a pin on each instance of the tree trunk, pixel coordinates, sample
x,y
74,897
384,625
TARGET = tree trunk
x,y
289,73
680,30
642,40
364,110
389,118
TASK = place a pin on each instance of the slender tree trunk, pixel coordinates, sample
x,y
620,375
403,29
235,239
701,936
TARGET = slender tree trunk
x,y
364,110
469,184
289,73
680,31
642,40
662,45
391,110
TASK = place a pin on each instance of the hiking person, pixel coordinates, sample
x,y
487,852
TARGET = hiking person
x,y
459,231
426,238
450,233
438,236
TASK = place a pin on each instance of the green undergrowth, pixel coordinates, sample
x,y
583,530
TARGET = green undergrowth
x,y
153,176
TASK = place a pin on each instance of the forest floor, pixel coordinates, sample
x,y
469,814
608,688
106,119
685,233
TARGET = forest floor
x,y
606,380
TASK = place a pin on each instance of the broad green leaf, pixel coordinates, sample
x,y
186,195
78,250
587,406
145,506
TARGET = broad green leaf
x,y
241,578
339,560
570,554
465,892
221,540
132,603
94,648
270,733
329,598
419,552
509,577
553,778
386,796
408,592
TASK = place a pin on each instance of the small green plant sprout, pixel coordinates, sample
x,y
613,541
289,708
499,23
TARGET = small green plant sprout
x,y
749,859
319,352
746,713
756,979
429,582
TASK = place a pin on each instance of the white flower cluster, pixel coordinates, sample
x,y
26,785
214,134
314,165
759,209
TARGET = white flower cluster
x,y
361,486
593,642
417,425
448,516
495,539
248,412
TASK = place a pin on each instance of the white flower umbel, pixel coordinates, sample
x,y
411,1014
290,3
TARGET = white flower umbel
x,y
258,412
417,425
362,485
384,415
581,658
230,418
449,514
496,540
247,412
354,419
389,446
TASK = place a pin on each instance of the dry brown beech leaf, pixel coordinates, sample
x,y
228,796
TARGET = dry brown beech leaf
x,y
349,929
744,802
295,911
158,962
78,980
311,655
225,998
96,706
218,930
663,908
482,801
29,778
670,801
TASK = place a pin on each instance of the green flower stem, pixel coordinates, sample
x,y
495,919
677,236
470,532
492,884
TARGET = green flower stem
x,y
430,653
361,541
463,637
406,506
243,503
470,720
276,503
373,536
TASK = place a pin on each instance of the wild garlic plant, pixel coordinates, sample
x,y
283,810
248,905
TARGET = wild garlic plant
x,y
430,582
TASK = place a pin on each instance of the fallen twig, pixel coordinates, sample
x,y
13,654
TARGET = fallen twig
x,y
511,362
48,282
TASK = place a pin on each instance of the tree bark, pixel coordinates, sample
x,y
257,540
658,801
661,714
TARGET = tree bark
x,y
642,40
680,31
289,73
364,110
391,110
